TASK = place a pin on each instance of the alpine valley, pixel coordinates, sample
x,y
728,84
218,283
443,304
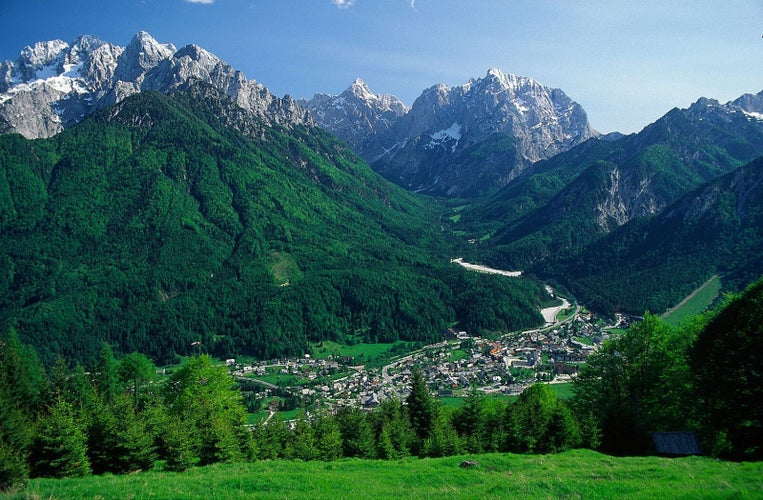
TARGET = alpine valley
x,y
189,205
154,198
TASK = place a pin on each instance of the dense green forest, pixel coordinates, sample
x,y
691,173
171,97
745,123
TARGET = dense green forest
x,y
119,416
603,218
171,220
650,263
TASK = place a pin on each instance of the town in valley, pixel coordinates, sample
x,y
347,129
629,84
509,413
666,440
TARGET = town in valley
x,y
456,367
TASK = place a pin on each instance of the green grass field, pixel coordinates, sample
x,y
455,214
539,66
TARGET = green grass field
x,y
369,351
564,390
457,354
261,416
697,302
573,474
585,340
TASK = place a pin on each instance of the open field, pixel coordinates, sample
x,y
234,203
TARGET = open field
x,y
573,474
368,351
563,390
699,300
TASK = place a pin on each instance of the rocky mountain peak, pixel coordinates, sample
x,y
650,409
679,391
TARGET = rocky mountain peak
x,y
41,54
356,114
495,76
360,89
198,54
53,85
141,54
431,147
437,93
750,104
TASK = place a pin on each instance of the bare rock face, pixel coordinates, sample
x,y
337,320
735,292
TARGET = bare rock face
x,y
467,140
53,85
356,114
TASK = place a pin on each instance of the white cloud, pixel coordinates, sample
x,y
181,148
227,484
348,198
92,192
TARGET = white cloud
x,y
346,4
205,2
343,4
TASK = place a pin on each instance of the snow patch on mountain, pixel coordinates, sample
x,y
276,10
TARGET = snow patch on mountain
x,y
356,114
53,85
449,135
474,137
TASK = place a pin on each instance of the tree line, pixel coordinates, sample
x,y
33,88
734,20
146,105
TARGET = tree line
x,y
119,417
703,376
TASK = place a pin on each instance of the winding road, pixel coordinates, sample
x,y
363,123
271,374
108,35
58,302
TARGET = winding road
x,y
549,313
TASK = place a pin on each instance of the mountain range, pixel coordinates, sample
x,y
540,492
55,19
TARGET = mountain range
x,y
53,85
168,200
460,141
178,219
565,206
357,114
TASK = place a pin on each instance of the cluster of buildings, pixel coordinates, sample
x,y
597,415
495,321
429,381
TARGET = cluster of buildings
x,y
452,368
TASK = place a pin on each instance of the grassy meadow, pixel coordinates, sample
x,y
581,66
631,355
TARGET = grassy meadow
x,y
366,352
573,474
697,302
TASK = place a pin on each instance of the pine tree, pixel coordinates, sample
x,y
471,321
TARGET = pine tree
x,y
302,443
60,447
466,421
21,388
119,438
357,434
204,395
387,450
181,445
328,436
271,438
563,431
443,439
394,436
134,370
727,363
421,407
106,373
100,437
14,470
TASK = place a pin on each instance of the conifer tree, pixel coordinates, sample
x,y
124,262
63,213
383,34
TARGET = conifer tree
x,y
727,364
21,388
119,438
134,370
357,434
270,438
60,446
106,373
327,436
204,396
394,434
181,444
421,407
302,443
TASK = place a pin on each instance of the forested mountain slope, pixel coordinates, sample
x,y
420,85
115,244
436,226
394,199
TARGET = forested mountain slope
x,y
168,220
581,195
650,263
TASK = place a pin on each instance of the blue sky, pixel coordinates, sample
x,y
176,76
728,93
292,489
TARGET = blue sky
x,y
627,62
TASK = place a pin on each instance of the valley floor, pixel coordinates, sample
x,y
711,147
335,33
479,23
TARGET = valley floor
x,y
452,367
